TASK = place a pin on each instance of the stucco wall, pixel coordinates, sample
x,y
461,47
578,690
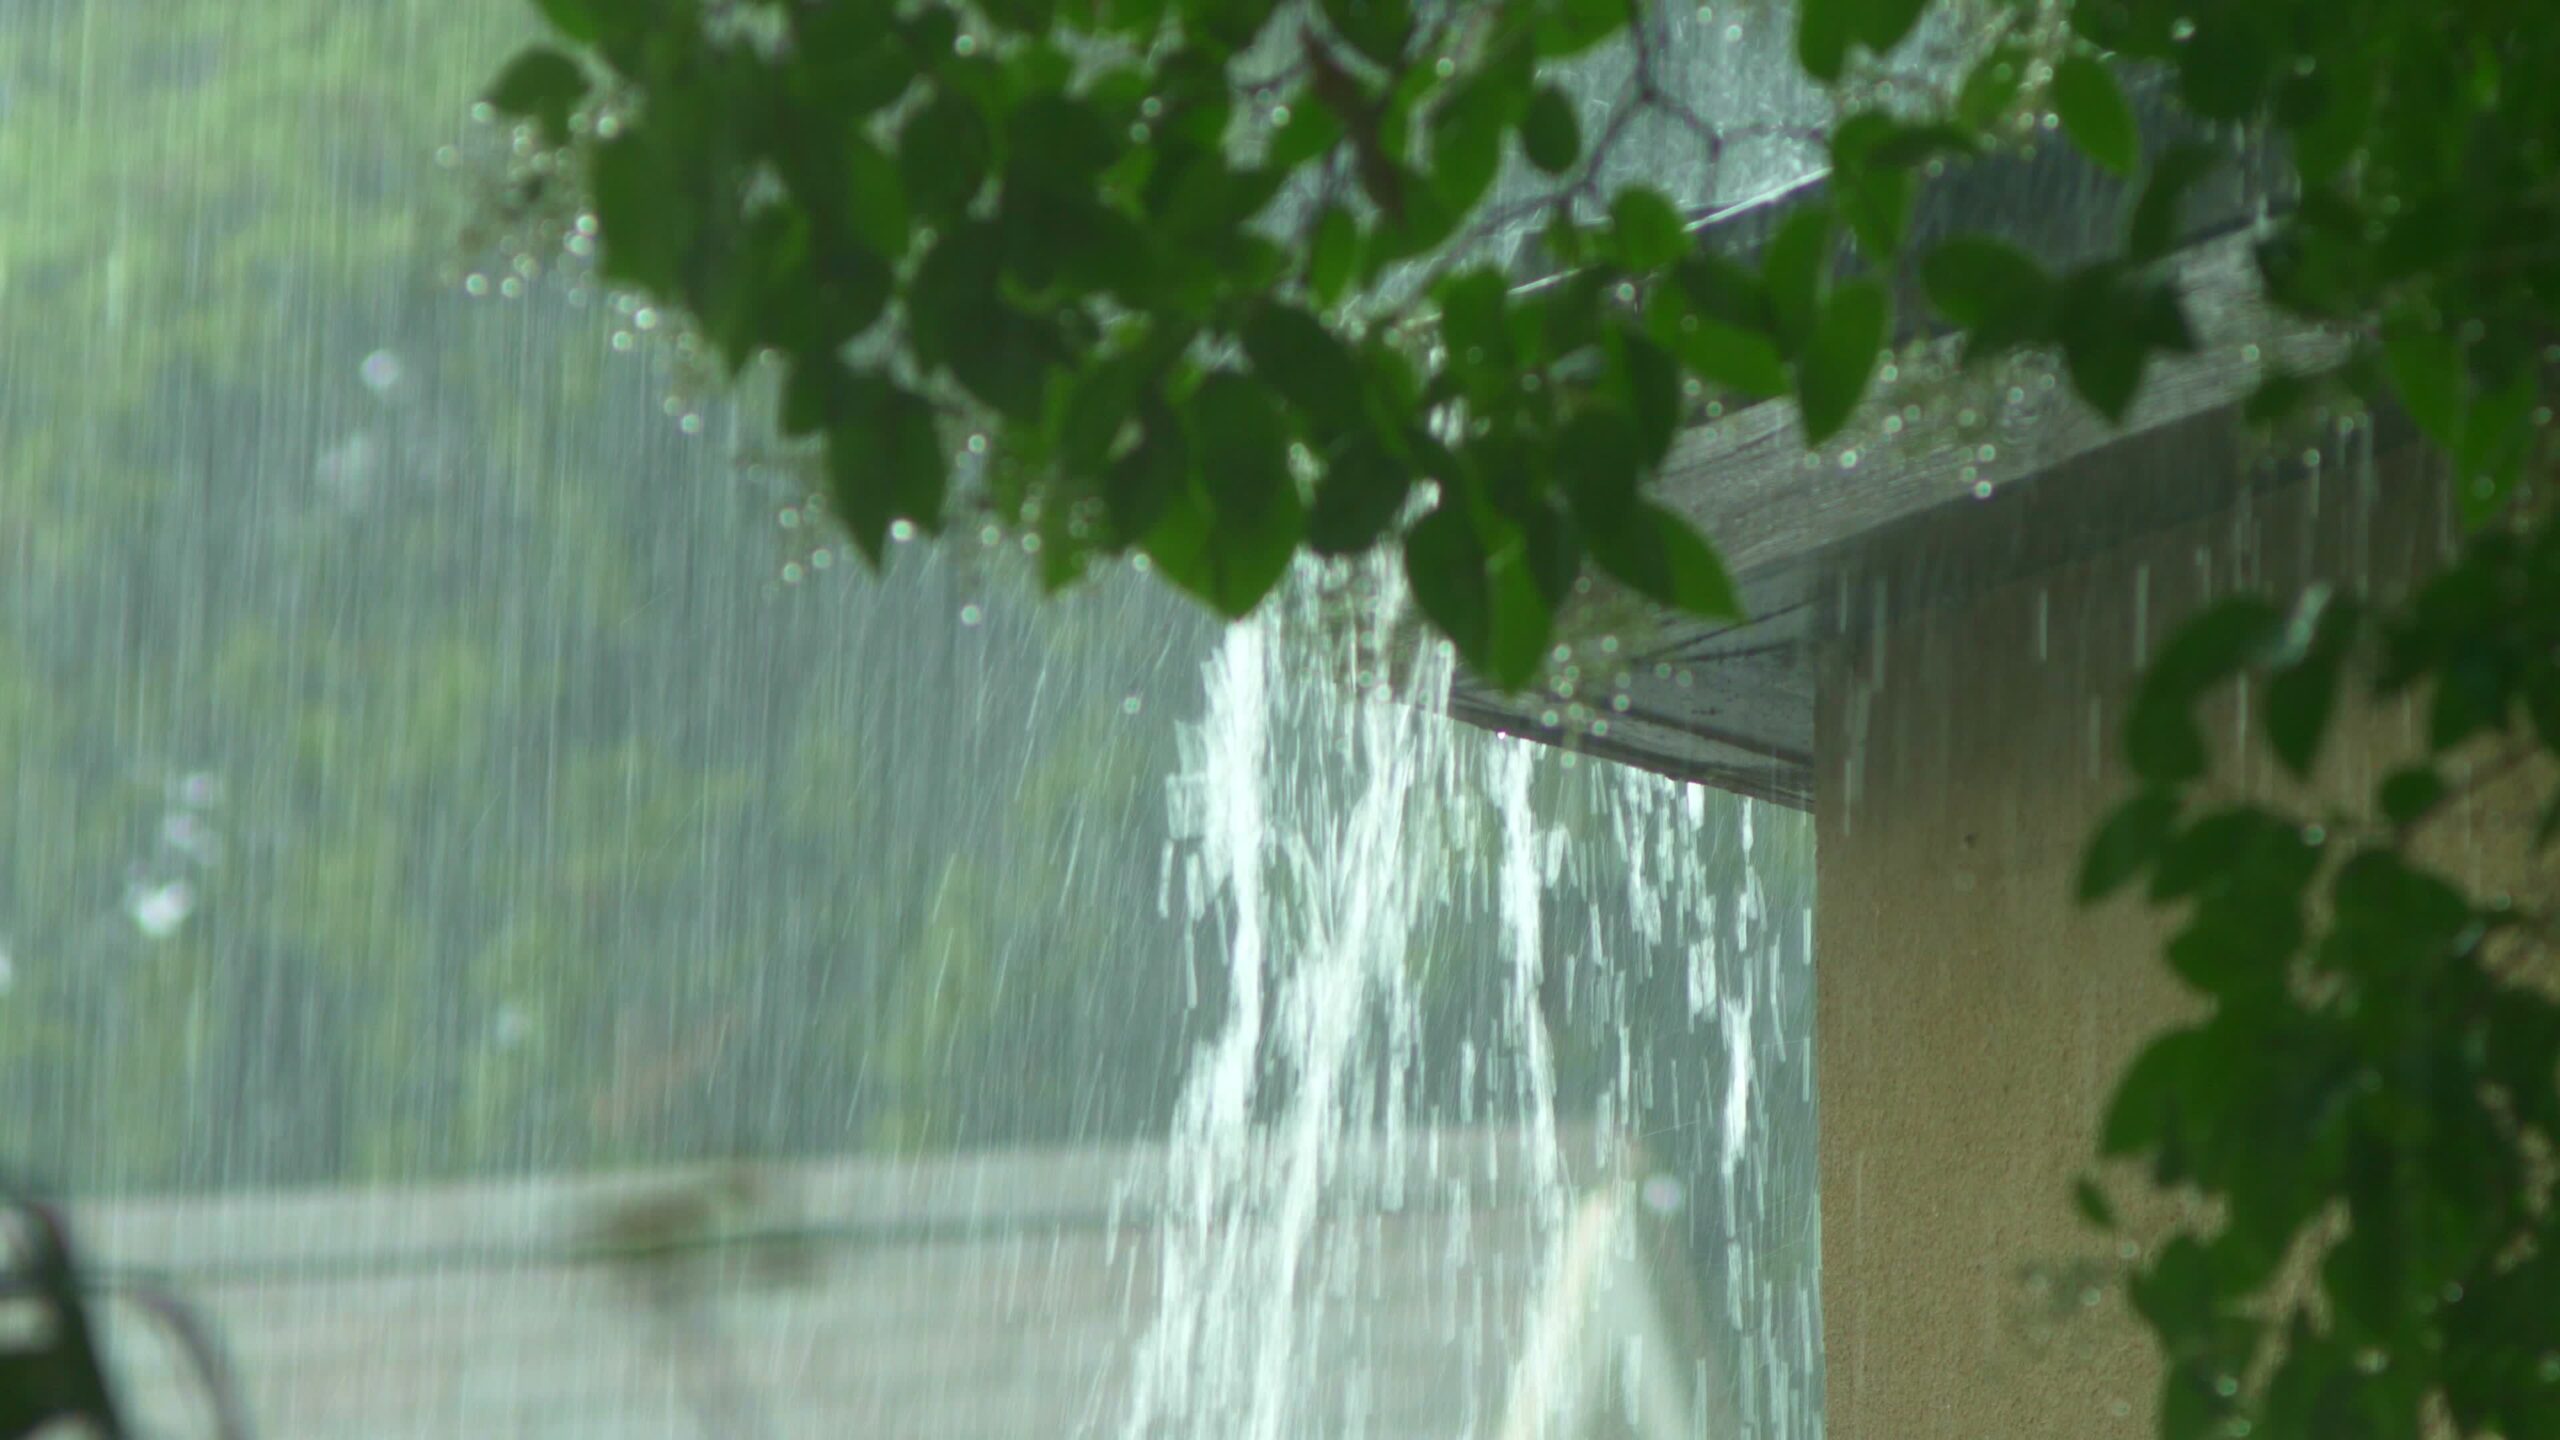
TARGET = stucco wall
x,y
1971,1019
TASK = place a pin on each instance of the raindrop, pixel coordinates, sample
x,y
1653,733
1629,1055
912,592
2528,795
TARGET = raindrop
x,y
380,372
158,910
971,614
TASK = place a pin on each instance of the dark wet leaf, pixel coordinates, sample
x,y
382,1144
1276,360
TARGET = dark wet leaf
x,y
2426,372
543,86
2093,1204
2095,113
581,20
1661,557
943,154
875,199
2110,327
1996,292
2127,842
645,223
1824,29
1840,356
884,461
1600,464
2155,228
2144,1111
1882,24
1333,256
1796,270
2304,689
1646,229
1549,134
1648,383
2409,794
1444,564
1378,29
1991,87
1308,365
1570,27
1357,501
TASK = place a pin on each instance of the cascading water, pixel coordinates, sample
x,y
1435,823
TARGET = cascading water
x,y
1333,839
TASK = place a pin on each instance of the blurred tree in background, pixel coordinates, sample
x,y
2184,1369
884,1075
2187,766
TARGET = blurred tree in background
x,y
429,741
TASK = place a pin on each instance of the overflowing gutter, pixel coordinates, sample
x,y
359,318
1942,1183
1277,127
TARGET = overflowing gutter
x,y
1805,534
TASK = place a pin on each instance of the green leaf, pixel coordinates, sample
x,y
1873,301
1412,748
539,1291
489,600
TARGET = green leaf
x,y
1361,493
2093,1204
646,225
1600,462
1882,24
2279,397
944,151
2110,327
1823,32
2304,690
1378,29
1444,567
1308,365
1141,485
1549,134
875,199
1648,382
1840,356
580,20
2497,434
1720,354
2143,1113
1332,256
543,86
2425,367
1467,131
2127,842
1991,87
884,461
1796,270
1228,535
1310,131
2410,793
1530,568
1877,204
2162,744
1995,291
1228,562
2218,643
2154,230
1474,324
2095,113
1569,27
1647,230
1239,445
1659,556
1718,289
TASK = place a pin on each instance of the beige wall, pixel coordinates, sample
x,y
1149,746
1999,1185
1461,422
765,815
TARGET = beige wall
x,y
1972,1019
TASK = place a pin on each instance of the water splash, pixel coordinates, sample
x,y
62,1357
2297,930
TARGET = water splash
x,y
1329,838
